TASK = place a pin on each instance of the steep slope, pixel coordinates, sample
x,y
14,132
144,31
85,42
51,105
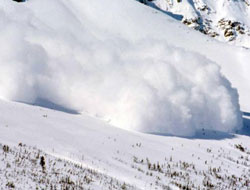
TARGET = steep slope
x,y
227,21
131,69
109,155
102,66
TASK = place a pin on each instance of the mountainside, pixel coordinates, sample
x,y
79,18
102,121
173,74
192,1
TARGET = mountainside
x,y
81,152
225,20
134,98
83,58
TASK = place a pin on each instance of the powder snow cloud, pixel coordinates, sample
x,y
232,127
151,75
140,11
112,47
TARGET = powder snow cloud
x,y
145,85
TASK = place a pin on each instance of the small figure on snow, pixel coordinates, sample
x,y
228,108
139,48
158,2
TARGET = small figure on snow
x,y
42,162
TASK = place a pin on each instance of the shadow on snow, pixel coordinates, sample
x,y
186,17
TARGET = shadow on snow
x,y
246,124
174,16
200,134
50,105
217,135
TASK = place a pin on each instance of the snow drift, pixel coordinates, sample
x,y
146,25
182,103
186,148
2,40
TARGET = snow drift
x,y
62,52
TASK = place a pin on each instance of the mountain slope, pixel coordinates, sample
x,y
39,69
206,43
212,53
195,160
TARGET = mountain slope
x,y
26,167
227,21
106,71
143,161
97,58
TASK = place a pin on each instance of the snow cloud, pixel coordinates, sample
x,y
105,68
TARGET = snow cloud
x,y
144,85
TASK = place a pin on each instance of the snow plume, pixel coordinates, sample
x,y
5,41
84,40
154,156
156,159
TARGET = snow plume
x,y
144,85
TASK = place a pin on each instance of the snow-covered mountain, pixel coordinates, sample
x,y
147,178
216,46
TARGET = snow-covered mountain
x,y
225,20
131,90
152,76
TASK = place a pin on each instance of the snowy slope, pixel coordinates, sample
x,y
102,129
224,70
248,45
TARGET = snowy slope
x,y
118,65
26,167
149,77
227,21
128,157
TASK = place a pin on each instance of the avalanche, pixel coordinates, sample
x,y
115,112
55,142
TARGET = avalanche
x,y
120,62
90,154
106,70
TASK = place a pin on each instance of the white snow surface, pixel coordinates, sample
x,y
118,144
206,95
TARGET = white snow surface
x,y
209,157
121,62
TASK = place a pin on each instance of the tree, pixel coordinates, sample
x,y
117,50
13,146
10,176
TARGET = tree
x,y
19,1
42,162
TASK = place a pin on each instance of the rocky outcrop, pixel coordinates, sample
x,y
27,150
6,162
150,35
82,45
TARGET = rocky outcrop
x,y
232,29
224,20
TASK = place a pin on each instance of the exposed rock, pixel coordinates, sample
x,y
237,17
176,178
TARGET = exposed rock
x,y
228,32
203,16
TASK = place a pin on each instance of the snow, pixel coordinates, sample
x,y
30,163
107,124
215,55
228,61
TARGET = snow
x,y
109,71
235,10
178,8
26,167
110,151
87,58
206,15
